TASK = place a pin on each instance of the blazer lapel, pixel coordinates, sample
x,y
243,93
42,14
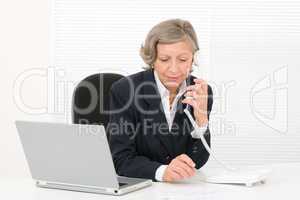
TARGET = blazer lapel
x,y
180,107
155,111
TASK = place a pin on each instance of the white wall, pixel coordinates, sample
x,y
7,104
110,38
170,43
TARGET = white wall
x,y
24,44
248,54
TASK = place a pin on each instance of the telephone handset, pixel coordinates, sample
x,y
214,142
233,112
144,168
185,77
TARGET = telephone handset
x,y
197,128
231,175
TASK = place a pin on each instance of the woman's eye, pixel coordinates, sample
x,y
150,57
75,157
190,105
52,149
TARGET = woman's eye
x,y
164,60
182,60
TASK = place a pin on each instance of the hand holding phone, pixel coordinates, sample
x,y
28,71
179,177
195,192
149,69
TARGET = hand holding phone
x,y
197,97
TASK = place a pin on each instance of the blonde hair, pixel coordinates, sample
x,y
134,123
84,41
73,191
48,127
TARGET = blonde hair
x,y
167,32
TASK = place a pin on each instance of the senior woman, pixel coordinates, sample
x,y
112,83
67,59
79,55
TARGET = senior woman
x,y
149,134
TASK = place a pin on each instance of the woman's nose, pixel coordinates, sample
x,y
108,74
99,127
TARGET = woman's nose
x,y
173,67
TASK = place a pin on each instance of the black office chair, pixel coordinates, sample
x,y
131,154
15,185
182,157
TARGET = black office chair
x,y
91,99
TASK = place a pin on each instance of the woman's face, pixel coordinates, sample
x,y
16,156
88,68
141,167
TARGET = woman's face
x,y
173,63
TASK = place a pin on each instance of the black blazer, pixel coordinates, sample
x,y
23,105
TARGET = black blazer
x,y
138,132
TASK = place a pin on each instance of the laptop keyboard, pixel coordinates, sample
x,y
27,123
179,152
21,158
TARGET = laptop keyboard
x,y
121,184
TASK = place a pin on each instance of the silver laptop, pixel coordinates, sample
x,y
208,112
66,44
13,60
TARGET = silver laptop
x,y
73,157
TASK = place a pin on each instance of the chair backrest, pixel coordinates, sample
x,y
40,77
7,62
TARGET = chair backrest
x,y
91,99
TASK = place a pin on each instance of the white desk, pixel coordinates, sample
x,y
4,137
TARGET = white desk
x,y
282,183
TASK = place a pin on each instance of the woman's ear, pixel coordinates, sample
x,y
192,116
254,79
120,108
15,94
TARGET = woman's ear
x,y
196,58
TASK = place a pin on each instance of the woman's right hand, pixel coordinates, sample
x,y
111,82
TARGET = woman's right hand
x,y
181,167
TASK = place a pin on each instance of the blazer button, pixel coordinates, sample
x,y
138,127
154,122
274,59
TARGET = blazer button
x,y
168,157
195,149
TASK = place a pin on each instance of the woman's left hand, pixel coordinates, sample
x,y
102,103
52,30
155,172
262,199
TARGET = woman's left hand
x,y
196,96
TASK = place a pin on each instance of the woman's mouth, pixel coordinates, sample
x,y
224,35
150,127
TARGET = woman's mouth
x,y
173,78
